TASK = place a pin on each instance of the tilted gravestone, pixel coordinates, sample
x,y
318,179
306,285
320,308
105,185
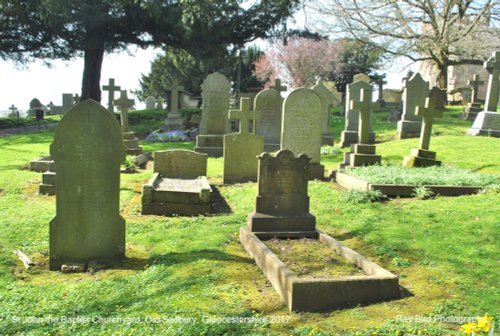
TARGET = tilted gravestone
x,y
302,126
487,122
241,150
174,120
111,88
422,156
282,203
415,91
270,106
327,101
214,115
88,151
349,135
474,107
362,153
129,140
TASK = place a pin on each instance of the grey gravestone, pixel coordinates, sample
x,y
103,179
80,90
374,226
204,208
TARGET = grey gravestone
x,y
214,116
111,88
282,203
438,96
487,122
36,109
270,106
422,156
380,83
474,106
301,127
179,185
88,151
349,135
174,120
129,140
241,150
362,153
415,91
67,102
327,101
150,103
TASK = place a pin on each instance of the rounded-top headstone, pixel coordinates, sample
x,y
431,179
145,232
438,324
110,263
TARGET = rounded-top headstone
x,y
35,104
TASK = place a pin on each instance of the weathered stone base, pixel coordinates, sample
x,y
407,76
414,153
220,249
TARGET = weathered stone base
x,y
299,224
348,138
327,139
313,294
131,143
48,185
360,155
316,171
408,129
486,124
41,164
173,123
471,110
421,158
211,144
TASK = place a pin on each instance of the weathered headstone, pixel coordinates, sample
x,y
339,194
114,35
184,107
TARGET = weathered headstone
x,y
439,97
349,135
214,118
415,91
487,122
88,151
422,156
301,127
241,150
269,104
179,185
150,103
474,106
36,109
327,101
174,120
277,86
111,88
392,96
380,83
67,102
48,185
362,153
129,140
282,203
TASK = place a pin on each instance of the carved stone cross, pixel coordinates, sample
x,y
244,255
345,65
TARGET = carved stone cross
x,y
111,88
492,65
475,83
13,109
380,82
174,90
277,86
428,113
364,106
123,104
244,115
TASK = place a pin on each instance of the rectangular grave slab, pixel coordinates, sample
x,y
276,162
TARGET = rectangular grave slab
x,y
41,164
305,294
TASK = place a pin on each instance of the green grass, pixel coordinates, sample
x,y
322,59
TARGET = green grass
x,y
444,175
444,249
27,121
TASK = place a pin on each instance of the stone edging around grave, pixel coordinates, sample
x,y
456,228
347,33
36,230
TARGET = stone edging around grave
x,y
355,183
316,294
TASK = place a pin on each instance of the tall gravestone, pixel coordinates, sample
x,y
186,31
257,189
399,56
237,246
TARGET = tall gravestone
x,y
362,153
487,122
474,106
88,151
241,149
214,115
67,102
301,127
422,156
415,91
129,140
111,88
282,203
327,101
174,120
349,135
270,106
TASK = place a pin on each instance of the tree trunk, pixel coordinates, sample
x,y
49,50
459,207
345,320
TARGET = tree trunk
x,y
92,73
442,77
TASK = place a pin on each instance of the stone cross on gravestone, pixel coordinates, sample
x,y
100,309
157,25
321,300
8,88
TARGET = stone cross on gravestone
x,y
380,82
123,104
492,65
428,113
174,90
244,115
13,109
364,106
475,83
277,86
111,88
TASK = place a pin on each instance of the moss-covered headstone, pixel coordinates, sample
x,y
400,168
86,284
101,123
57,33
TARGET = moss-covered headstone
x,y
88,151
